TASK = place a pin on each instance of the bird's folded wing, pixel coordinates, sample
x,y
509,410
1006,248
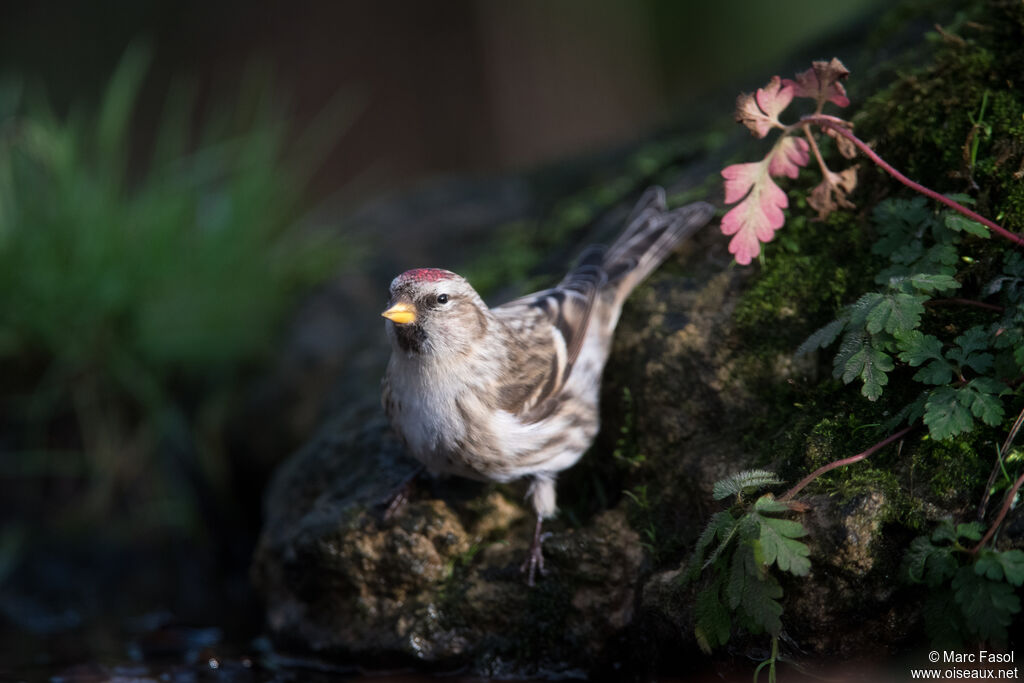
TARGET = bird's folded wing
x,y
547,330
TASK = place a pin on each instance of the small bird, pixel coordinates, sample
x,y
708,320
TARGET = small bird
x,y
495,394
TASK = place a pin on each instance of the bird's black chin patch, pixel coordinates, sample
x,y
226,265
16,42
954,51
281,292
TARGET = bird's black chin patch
x,y
411,338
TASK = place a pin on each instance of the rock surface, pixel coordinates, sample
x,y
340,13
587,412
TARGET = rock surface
x,y
438,583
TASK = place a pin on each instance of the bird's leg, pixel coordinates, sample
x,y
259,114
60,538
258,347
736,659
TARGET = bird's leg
x,y
535,555
397,499
542,497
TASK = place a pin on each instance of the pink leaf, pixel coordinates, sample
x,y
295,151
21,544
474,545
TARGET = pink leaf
x,y
774,97
786,158
739,178
760,112
822,83
756,218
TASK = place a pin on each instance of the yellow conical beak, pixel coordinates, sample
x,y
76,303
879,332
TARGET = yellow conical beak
x,y
401,313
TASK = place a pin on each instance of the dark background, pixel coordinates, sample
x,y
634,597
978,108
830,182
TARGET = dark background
x,y
436,87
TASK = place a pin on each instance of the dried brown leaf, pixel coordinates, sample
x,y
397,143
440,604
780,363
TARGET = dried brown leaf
x,y
843,144
831,193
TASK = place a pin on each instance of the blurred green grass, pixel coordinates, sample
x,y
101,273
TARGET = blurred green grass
x,y
136,294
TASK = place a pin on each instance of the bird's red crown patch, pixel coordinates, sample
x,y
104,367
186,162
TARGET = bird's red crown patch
x,y
426,275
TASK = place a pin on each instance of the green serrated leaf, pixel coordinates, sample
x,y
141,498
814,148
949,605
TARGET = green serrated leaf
x,y
712,624
917,347
768,504
987,408
982,396
961,223
870,365
862,307
916,558
900,221
895,313
760,604
937,372
1013,264
877,317
941,566
736,582
970,347
988,565
1013,565
908,253
971,531
933,282
780,547
940,259
786,528
747,529
979,362
720,525
945,415
822,337
736,484
988,385
965,199
988,606
853,341
726,530
944,531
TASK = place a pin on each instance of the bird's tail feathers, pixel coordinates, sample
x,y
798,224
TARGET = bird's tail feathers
x,y
652,233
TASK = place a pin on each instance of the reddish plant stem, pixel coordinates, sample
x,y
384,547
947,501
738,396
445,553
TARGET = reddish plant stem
x,y
845,461
1002,515
817,153
841,127
965,302
1017,424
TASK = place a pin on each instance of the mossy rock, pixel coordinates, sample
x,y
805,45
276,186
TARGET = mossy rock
x,y
702,383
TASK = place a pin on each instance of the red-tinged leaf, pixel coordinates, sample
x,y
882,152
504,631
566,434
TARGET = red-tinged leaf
x,y
831,193
786,158
756,218
822,83
760,112
739,178
774,97
751,116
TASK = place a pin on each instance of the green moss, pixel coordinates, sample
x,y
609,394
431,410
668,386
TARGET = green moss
x,y
951,115
806,278
954,471
929,121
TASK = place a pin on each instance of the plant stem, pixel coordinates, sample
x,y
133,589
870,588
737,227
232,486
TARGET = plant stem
x,y
1017,424
817,153
965,302
845,461
842,128
1007,502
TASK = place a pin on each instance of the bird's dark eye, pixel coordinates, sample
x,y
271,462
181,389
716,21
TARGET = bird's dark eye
x,y
442,298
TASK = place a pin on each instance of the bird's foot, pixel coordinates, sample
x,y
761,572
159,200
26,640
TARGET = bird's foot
x,y
535,556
